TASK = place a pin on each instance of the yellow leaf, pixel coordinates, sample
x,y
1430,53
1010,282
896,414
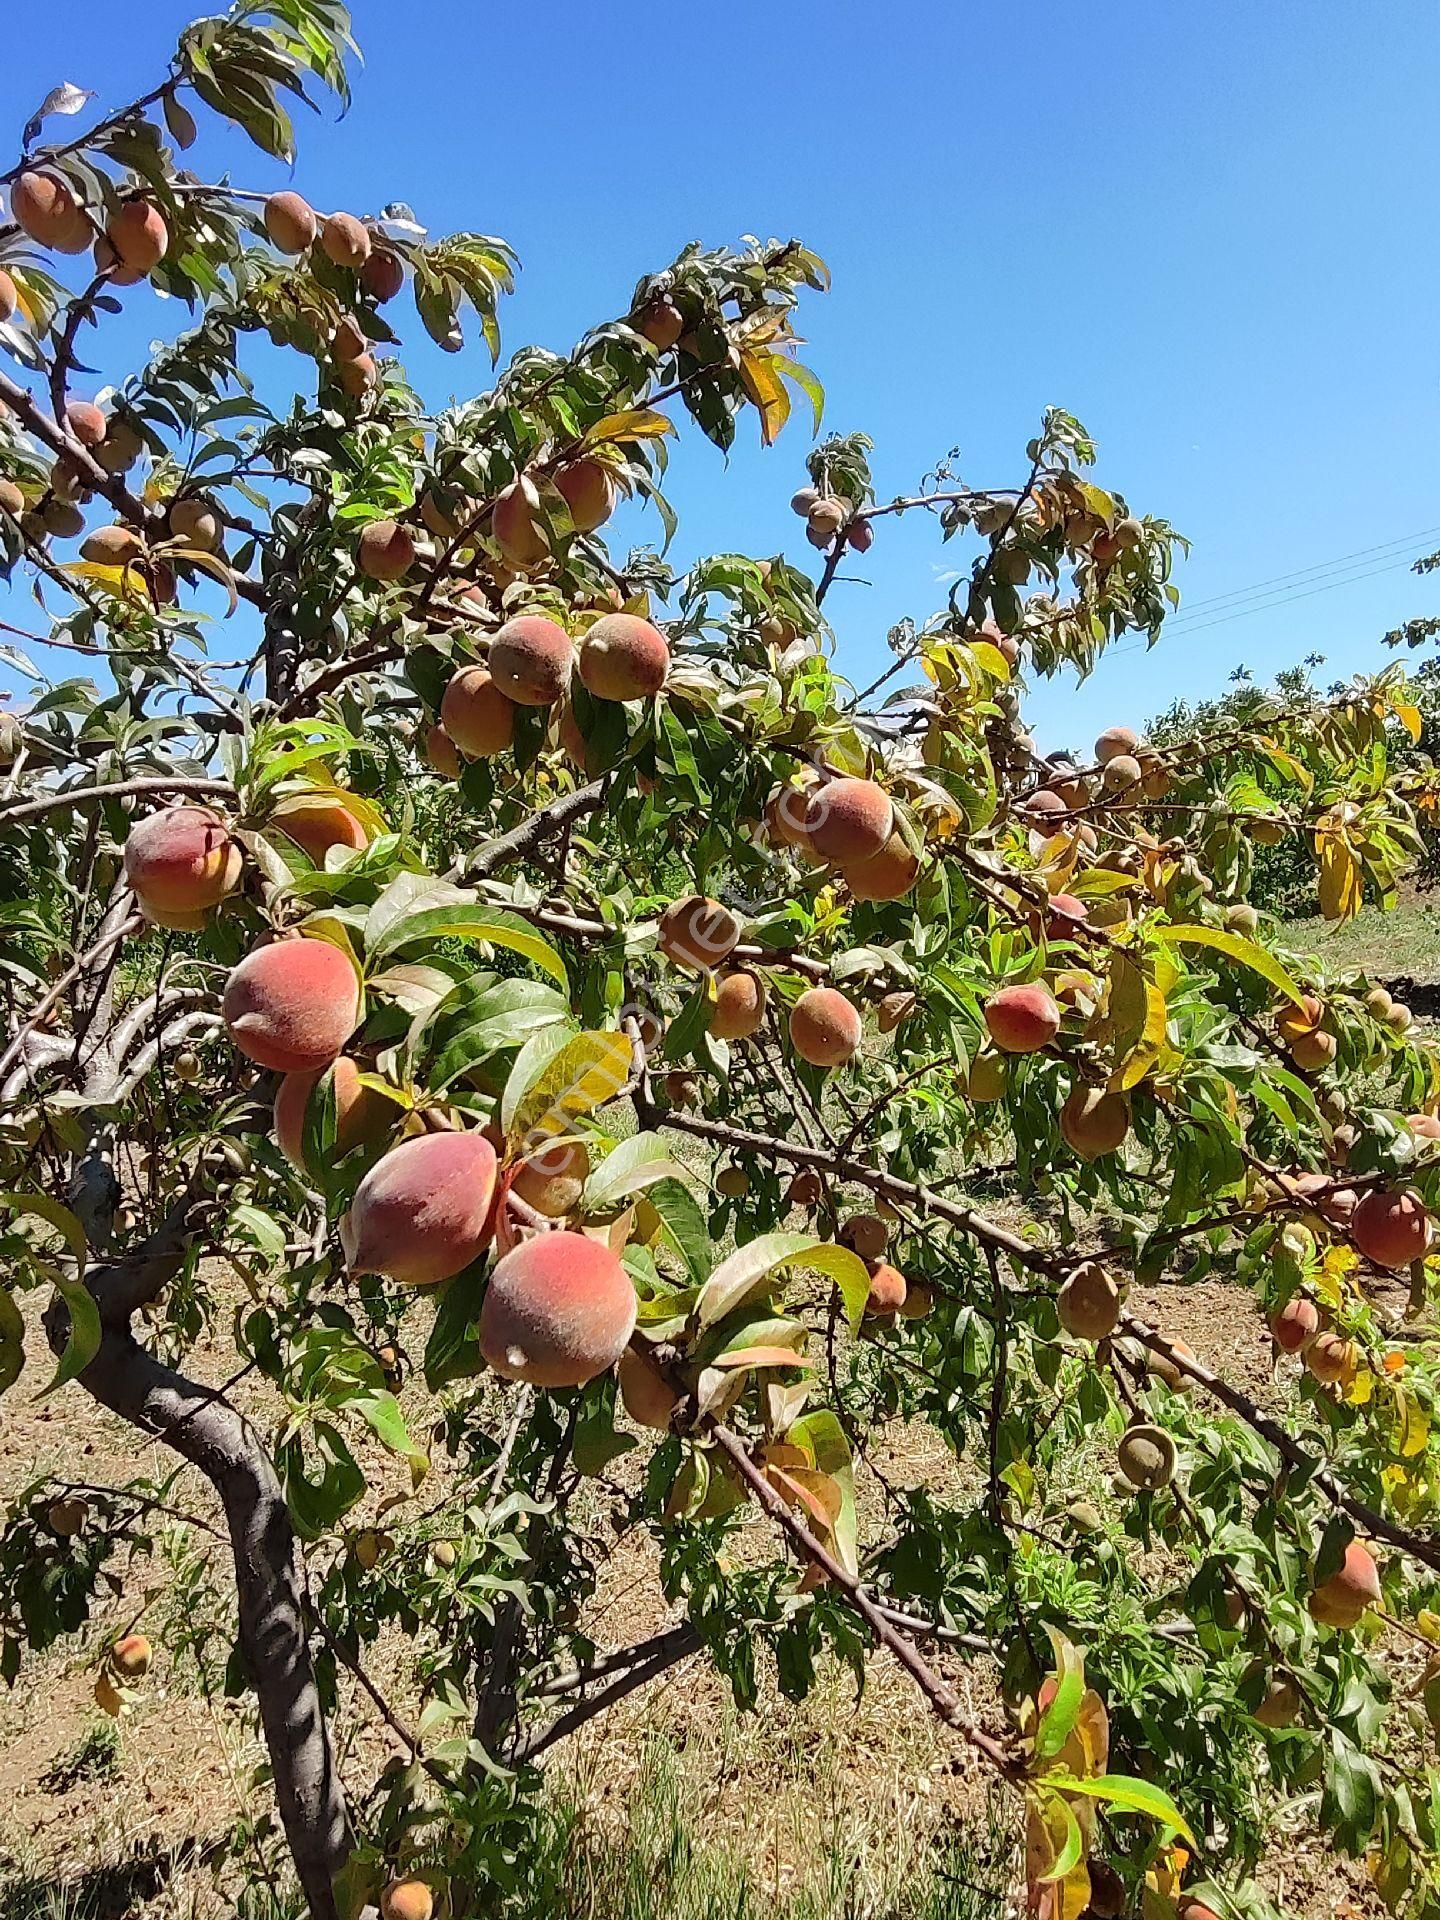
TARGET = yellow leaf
x,y
1342,890
640,423
760,377
1409,718
991,658
126,583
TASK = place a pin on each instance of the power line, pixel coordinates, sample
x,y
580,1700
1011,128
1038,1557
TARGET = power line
x,y
1301,574
1270,606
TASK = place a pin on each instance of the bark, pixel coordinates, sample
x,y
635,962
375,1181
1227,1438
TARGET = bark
x,y
208,1432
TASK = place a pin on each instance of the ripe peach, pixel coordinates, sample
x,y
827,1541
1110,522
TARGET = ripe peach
x,y
848,821
531,659
360,1112
9,297
1242,918
345,241
1313,1052
383,275
559,1310
44,207
518,525
85,422
62,519
476,715
661,322
386,551
1065,914
1354,1587
887,1291
292,1005
649,1401
698,932
888,875
740,1001
825,1027
139,236
1296,1322
1122,774
552,1180
112,547
588,489
291,222
67,1517
406,1899
624,658
1330,1357
1114,742
1164,1368
1094,1121
181,860
357,376
318,822
1392,1229
348,342
423,1211
1089,1302
865,1234
1399,1019
130,1656
195,520
1424,1126
441,752
12,500
1022,1019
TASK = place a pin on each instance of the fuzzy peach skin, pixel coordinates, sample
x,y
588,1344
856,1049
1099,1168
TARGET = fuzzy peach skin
x,y
292,1005
558,1311
424,1211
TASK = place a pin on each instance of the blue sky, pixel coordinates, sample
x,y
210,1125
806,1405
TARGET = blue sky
x,y
1208,231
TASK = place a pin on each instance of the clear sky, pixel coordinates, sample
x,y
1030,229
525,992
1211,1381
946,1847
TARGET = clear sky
x,y
1207,230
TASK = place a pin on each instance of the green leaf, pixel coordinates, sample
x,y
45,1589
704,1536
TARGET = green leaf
x,y
382,1414
84,1341
683,1224
453,1350
596,1441
1058,1720
472,921
635,1164
65,1223
1235,947
749,1269
1130,1796
823,1439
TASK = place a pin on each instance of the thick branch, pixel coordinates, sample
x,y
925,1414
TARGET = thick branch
x,y
112,790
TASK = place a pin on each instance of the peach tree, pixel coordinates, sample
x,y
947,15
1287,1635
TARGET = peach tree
x,y
536,967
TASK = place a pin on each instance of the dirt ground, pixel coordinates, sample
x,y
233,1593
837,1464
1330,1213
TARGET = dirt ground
x,y
132,1815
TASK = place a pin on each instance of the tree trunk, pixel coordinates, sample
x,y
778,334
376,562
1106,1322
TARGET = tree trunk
x,y
209,1433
